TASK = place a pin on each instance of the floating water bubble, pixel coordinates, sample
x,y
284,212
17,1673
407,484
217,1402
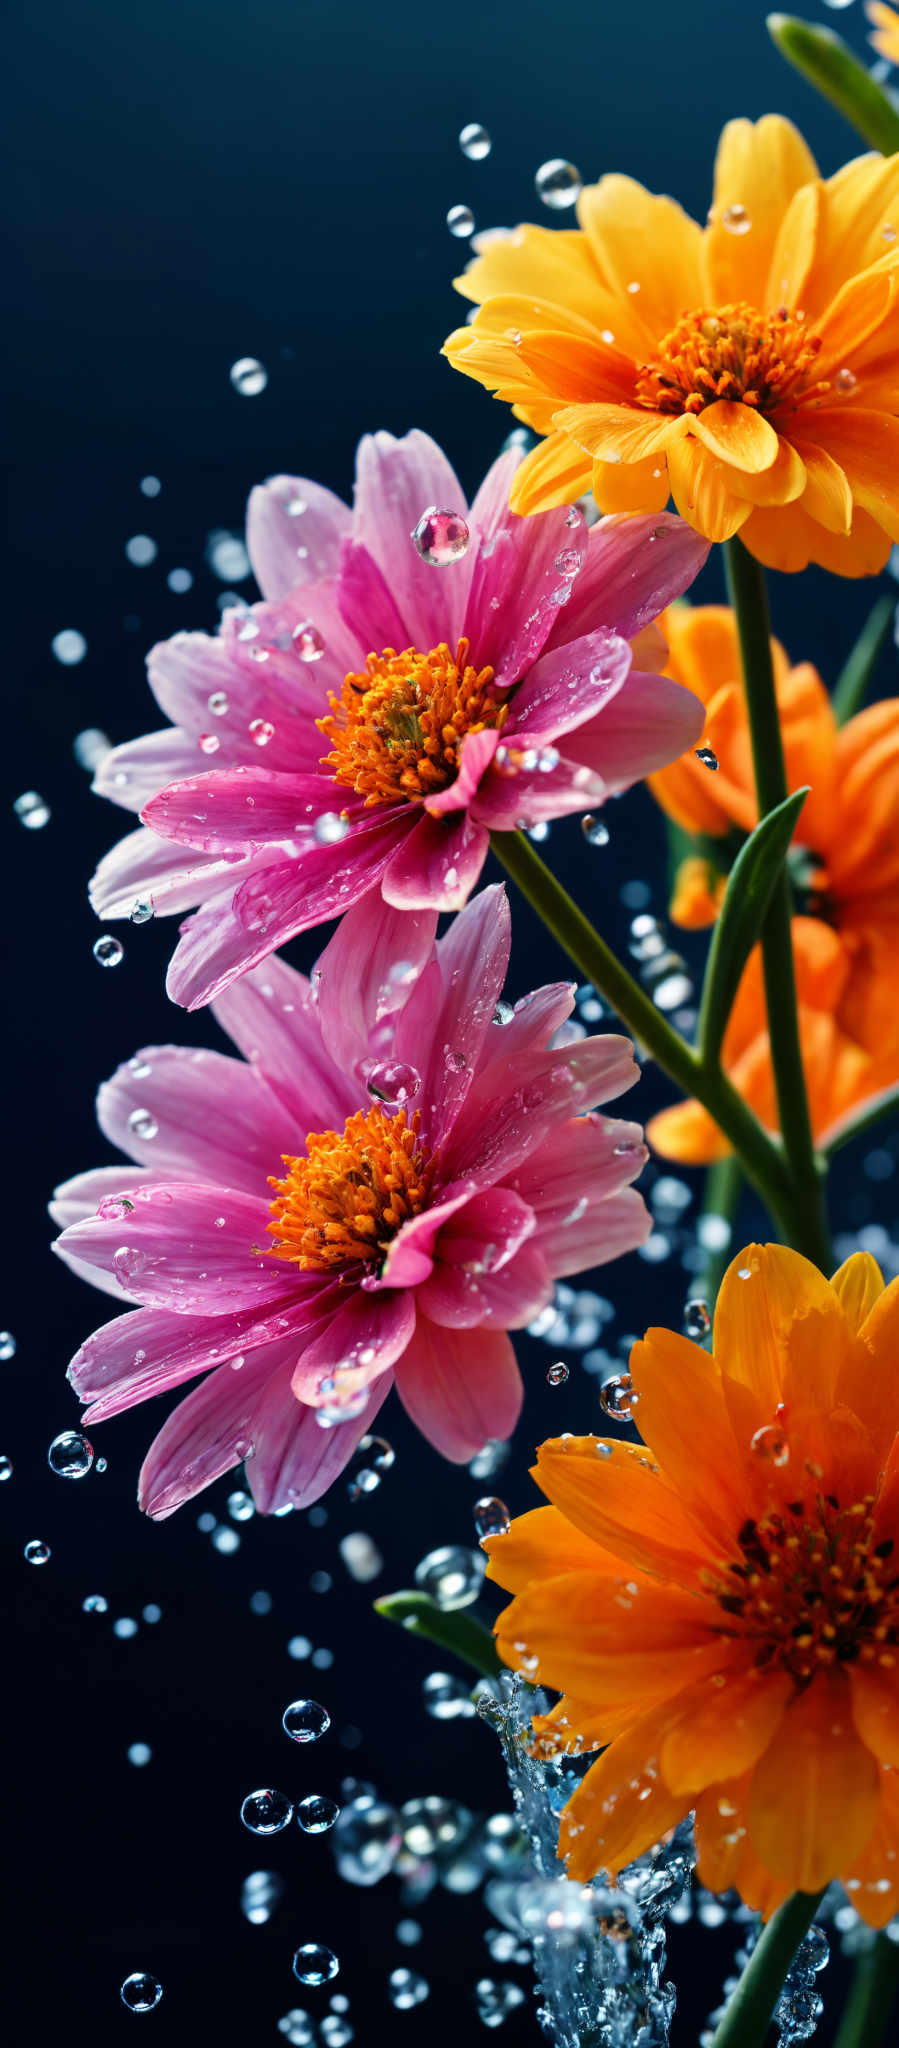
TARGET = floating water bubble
x,y
152,1612
297,2028
150,486
37,1552
260,1893
124,1627
453,1576
70,1455
305,1720
490,1459
141,550
95,1603
141,1992
330,828
32,810
594,830
248,376
460,221
407,1989
408,1933
367,1839
227,556
69,646
440,537
475,142
447,1698
697,1320
5,1468
241,1506
495,2001
313,1964
372,1457
618,1397
335,2031
557,1374
266,1812
139,1754
7,1345
393,1081
706,756
180,581
558,183
89,747
491,1517
316,1814
225,1540
108,951
361,1556
714,1232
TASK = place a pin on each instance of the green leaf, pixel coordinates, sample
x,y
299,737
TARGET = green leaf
x,y
851,687
453,1630
862,1119
749,891
833,71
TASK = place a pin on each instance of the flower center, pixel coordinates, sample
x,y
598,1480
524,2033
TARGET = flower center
x,y
397,728
759,359
814,1589
352,1192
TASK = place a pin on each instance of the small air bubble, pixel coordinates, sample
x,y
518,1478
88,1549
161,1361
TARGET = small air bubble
x,y
248,376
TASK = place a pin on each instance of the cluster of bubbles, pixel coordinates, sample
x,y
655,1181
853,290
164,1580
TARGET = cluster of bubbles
x,y
800,2005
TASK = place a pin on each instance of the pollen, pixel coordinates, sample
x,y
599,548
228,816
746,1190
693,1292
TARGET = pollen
x,y
346,1200
813,1588
765,360
397,728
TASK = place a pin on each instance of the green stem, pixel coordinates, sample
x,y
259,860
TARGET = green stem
x,y
832,69
721,1195
761,1159
869,2007
750,2006
749,598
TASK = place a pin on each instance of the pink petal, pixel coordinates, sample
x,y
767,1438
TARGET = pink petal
x,y
363,1340
245,808
648,724
209,1432
78,1199
364,975
272,1020
514,1296
143,867
614,1226
178,1256
576,1183
396,481
129,775
517,587
300,688
436,864
296,1460
149,1350
263,684
475,755
510,795
287,547
568,685
367,604
210,1118
535,1019
633,568
410,1257
444,1024
479,1271
516,1104
460,1390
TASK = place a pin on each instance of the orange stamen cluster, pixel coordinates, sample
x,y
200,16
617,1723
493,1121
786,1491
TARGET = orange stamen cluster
x,y
814,1589
733,352
352,1192
397,728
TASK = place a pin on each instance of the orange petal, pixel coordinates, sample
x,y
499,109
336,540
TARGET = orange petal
x,y
827,497
872,1882
725,1730
875,1708
780,484
679,1387
859,1283
866,446
554,473
688,1134
609,1641
542,1545
777,1318
814,1797
574,1727
727,1859
759,167
854,317
701,492
788,538
698,894
640,239
737,434
615,1495
576,368
622,1805
632,486
869,1384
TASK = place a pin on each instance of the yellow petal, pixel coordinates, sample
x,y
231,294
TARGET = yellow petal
x,y
858,1283
701,492
857,205
727,1859
827,497
759,166
618,433
785,537
632,486
535,262
781,484
855,315
814,1797
866,446
724,1732
643,241
737,434
576,368
554,473
794,250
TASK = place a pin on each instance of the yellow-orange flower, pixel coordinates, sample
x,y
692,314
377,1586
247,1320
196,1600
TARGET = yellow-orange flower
x,y
885,23
720,1609
846,941
748,368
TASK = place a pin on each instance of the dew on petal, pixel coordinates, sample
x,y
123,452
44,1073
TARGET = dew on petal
x,y
736,220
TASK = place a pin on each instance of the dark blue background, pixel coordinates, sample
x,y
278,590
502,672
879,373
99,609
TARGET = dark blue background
x,y
192,183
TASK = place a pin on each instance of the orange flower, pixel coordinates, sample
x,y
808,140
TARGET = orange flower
x,y
846,941
720,1609
748,368
885,22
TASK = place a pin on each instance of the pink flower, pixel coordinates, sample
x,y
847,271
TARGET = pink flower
x,y
303,770
451,1175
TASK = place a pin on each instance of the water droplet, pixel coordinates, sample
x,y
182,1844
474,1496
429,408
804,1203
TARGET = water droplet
x,y
179,580
558,183
736,220
771,1444
266,1812
95,1603
32,810
452,1575
490,1459
108,951
69,646
503,1013
248,376
89,747
141,910
618,1397
7,1344
142,1124
332,1413
496,2000
141,550
141,1992
5,1468
316,1814
440,537
367,1839
393,1081
330,828
260,1893
706,756
260,731
70,1455
491,1517
313,1964
150,486
305,1720
407,1989
241,1505
372,1458
308,642
37,1552
594,830
557,1374
697,1320
447,1698
209,742
845,381
460,221
888,232
139,1754
217,703
475,142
